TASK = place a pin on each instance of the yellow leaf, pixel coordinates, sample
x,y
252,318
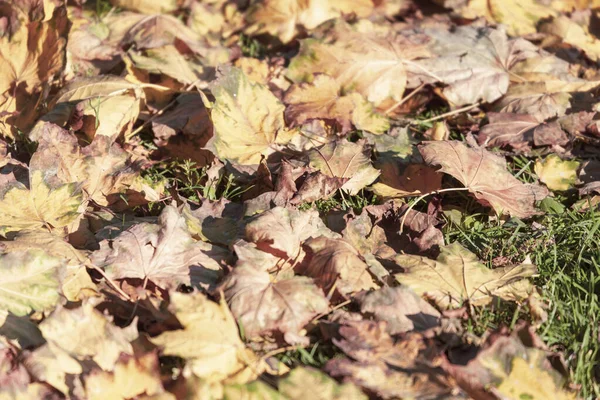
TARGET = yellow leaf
x,y
209,340
247,118
557,174
459,276
131,377
38,207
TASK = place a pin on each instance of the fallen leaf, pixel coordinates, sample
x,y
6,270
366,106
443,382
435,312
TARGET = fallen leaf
x,y
247,117
323,99
345,160
262,305
557,174
209,340
286,18
335,264
84,333
32,52
485,175
401,308
147,7
131,377
39,206
520,131
281,231
373,64
163,253
568,31
29,281
406,180
474,62
303,383
458,276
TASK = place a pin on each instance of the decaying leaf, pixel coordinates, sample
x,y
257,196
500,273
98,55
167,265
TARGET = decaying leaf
x,y
84,333
401,308
39,206
263,305
163,253
457,276
520,131
32,51
486,176
473,62
345,160
335,264
323,99
370,63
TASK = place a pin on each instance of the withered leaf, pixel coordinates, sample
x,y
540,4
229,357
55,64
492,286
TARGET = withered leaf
x,y
345,160
458,276
520,131
335,264
485,175
163,253
263,306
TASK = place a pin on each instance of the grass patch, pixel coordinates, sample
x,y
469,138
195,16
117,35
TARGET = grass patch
x,y
566,249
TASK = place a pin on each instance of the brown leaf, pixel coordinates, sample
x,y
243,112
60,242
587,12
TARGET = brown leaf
x,y
323,99
32,51
263,305
391,370
372,63
520,131
474,62
485,175
401,308
163,253
335,264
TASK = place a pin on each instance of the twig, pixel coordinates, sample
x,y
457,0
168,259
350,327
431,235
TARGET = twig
x,y
112,283
448,114
404,99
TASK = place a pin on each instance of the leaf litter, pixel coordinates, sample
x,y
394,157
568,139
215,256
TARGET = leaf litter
x,y
190,190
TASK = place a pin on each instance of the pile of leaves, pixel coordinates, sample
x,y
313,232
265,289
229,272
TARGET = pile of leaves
x,y
191,189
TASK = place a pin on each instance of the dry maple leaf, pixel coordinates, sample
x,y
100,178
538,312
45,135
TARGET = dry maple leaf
x,y
29,281
247,118
401,308
84,333
105,105
281,231
508,368
163,253
345,160
32,51
520,131
474,62
101,168
547,99
132,376
572,32
39,206
397,180
262,305
458,276
335,264
391,369
285,18
486,176
209,340
323,99
371,63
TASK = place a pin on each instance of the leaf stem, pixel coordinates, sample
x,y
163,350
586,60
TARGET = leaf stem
x,y
421,198
448,114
